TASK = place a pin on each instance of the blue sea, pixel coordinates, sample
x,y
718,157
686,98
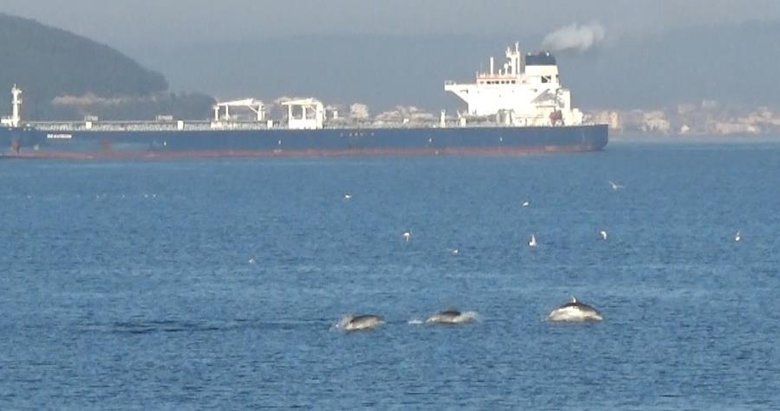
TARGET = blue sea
x,y
217,283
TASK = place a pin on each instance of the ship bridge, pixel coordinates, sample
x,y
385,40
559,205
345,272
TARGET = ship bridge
x,y
525,90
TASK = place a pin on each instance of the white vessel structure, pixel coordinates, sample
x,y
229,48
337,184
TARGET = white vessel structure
x,y
16,109
525,91
521,108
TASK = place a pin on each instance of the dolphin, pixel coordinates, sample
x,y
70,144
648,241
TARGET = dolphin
x,y
575,311
450,316
360,322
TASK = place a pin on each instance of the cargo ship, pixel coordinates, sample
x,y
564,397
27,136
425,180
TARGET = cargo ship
x,y
519,107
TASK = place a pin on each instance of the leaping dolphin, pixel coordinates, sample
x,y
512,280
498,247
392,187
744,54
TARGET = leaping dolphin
x,y
360,322
451,316
575,311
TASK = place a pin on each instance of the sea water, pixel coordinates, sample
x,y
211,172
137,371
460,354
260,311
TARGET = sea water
x,y
217,283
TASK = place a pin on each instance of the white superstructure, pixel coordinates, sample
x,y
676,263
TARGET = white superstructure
x,y
305,114
524,91
16,109
222,110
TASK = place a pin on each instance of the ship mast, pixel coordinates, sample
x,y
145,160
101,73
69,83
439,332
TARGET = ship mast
x,y
16,104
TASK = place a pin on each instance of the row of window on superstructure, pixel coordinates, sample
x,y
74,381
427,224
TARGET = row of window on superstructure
x,y
498,82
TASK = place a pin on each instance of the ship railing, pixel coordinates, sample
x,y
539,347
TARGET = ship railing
x,y
121,125
201,125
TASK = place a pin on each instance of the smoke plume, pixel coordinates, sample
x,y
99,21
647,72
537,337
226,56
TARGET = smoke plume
x,y
579,38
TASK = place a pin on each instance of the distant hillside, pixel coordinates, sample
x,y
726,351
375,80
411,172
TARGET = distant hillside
x,y
49,64
734,64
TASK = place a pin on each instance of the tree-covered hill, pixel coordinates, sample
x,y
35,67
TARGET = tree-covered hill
x,y
53,62
50,63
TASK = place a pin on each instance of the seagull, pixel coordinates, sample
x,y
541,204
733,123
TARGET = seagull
x,y
251,260
616,186
347,196
526,203
532,241
407,235
454,251
738,236
603,234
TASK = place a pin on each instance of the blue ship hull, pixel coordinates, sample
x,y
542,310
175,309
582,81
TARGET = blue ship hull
x,y
94,144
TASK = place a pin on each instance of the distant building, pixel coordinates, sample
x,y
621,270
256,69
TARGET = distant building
x,y
723,128
358,111
609,117
655,122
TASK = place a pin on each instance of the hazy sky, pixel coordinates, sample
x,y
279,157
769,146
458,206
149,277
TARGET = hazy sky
x,y
134,23
246,48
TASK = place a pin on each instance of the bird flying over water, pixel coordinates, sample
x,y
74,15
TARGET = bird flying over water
x,y
616,186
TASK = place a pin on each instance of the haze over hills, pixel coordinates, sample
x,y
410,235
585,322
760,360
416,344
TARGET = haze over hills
x,y
733,64
67,76
64,75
